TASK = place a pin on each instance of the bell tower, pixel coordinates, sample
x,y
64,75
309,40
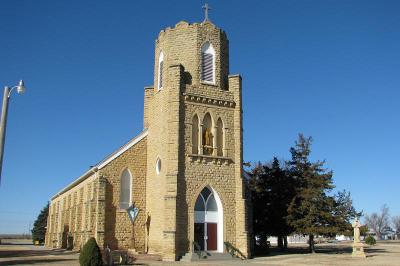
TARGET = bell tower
x,y
195,193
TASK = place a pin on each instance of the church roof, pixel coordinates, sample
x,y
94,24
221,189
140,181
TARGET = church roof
x,y
103,162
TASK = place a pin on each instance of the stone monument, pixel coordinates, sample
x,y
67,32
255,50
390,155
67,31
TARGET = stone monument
x,y
358,247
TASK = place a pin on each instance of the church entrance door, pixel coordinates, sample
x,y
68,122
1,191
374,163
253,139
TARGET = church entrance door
x,y
199,234
211,236
208,221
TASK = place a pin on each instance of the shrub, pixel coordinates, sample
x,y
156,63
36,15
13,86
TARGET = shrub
x,y
370,240
90,254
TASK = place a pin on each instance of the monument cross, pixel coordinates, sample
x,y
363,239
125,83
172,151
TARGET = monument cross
x,y
206,8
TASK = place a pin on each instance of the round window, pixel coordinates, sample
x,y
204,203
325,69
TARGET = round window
x,y
158,166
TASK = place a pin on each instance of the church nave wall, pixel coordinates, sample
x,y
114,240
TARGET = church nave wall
x,y
119,231
66,213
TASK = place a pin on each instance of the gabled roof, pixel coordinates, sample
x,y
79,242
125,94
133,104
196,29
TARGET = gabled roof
x,y
103,163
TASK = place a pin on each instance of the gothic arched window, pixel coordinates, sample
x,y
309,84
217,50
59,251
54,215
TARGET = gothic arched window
x,y
220,137
206,201
160,70
125,189
207,63
195,135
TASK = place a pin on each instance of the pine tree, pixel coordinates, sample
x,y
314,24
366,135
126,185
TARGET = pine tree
x,y
311,210
344,213
280,191
39,227
272,191
259,212
90,254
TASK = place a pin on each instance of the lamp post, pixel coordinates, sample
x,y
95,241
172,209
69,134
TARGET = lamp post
x,y
6,97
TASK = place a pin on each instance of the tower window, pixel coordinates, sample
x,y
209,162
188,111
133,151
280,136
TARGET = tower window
x,y
208,63
160,70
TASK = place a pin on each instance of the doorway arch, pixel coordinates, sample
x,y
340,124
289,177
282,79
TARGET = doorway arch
x,y
208,220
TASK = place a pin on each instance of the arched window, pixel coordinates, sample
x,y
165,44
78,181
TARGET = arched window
x,y
160,70
207,135
206,201
125,189
195,135
220,137
208,63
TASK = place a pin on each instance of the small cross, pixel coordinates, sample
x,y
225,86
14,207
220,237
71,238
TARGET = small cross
x,y
206,8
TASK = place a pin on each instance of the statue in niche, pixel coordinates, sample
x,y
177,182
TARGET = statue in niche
x,y
208,142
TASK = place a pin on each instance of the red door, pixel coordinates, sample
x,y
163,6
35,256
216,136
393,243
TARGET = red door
x,y
211,236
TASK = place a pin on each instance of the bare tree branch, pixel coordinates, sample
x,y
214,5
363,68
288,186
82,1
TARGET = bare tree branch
x,y
396,223
378,221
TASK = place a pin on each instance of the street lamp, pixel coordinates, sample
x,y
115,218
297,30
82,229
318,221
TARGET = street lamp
x,y
7,93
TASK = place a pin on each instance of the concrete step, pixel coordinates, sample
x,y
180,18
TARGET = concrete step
x,y
130,255
148,257
209,256
143,256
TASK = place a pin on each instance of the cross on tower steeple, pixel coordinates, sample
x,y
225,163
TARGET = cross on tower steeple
x,y
206,8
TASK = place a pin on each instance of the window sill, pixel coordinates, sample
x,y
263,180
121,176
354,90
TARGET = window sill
x,y
203,82
201,158
119,209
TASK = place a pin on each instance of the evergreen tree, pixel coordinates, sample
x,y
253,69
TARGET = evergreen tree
x,y
311,211
296,198
259,212
39,227
344,213
272,191
280,192
90,254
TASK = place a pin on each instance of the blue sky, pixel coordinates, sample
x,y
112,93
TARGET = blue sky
x,y
329,69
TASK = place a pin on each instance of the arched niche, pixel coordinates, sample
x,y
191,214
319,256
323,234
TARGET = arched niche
x,y
195,135
207,135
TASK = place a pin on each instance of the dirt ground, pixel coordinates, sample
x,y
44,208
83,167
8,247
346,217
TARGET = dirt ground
x,y
20,252
23,252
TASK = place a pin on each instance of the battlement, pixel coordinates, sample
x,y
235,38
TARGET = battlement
x,y
185,25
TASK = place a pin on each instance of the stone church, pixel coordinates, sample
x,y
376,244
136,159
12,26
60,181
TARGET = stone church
x,y
183,172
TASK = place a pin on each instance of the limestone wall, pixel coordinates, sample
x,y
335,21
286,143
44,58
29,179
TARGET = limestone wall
x,y
119,231
181,45
72,211
91,208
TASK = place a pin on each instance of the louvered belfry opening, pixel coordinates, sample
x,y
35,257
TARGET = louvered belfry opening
x,y
207,63
207,67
